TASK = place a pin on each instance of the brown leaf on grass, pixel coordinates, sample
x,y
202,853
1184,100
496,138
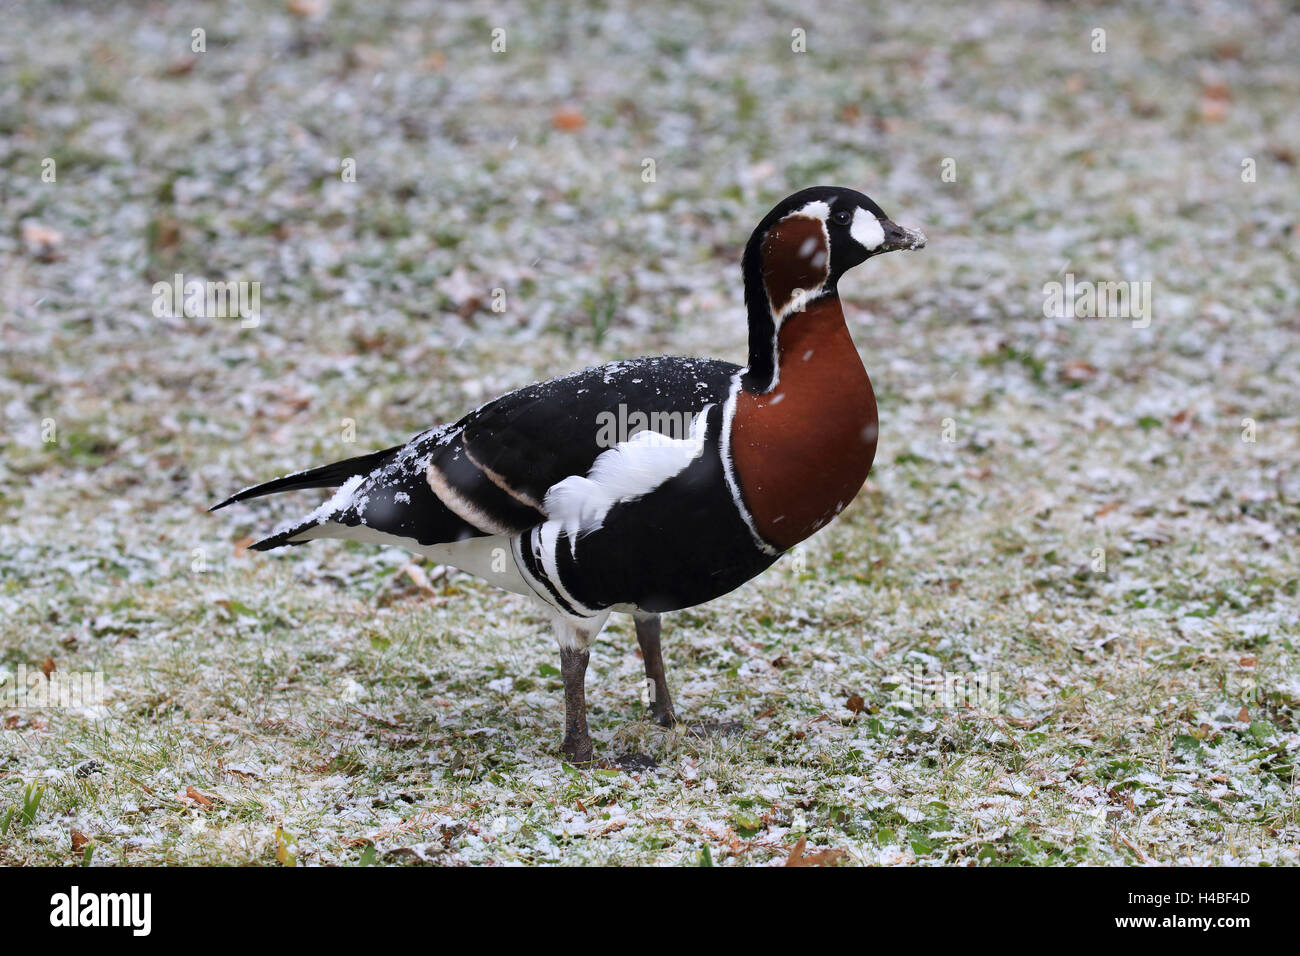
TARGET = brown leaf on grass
x,y
1183,422
1029,722
236,770
306,8
856,704
1215,97
284,844
796,856
164,233
420,578
1077,372
41,241
568,119
1243,715
1214,111
1214,89
201,799
79,841
1227,50
241,546
781,661
1283,154
181,65
48,667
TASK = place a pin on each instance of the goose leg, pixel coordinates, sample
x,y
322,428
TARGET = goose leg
x,y
575,653
647,635
577,741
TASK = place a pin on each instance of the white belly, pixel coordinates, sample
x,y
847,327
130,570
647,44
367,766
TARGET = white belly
x,y
487,557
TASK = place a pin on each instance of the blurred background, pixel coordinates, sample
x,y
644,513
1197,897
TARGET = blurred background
x,y
594,170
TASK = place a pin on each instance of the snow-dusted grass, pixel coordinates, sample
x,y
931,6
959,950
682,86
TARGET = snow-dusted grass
x,y
329,705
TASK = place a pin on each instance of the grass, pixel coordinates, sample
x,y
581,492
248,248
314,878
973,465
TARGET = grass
x,y
1073,507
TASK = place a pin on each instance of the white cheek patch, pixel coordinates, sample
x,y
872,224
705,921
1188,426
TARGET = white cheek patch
x,y
866,229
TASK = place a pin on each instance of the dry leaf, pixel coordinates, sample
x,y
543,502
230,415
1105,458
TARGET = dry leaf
x,y
856,704
1227,50
1283,154
1076,372
306,8
182,65
41,241
1216,90
236,770
1214,109
201,799
241,546
568,119
283,853
79,841
796,856
48,667
164,233
1243,715
419,578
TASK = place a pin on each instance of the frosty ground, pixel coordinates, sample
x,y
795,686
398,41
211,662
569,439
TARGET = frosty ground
x,y
1071,505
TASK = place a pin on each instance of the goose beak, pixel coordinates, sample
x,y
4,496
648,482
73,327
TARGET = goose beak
x,y
900,237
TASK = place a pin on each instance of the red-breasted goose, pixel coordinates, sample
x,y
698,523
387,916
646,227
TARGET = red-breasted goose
x,y
532,493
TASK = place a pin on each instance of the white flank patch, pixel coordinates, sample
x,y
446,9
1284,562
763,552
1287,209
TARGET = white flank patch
x,y
866,229
629,470
489,558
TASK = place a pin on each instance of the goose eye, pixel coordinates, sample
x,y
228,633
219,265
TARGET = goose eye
x,y
841,218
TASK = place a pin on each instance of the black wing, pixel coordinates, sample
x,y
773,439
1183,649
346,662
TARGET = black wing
x,y
489,472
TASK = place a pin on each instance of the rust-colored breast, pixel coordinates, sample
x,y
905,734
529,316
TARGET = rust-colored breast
x,y
803,451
